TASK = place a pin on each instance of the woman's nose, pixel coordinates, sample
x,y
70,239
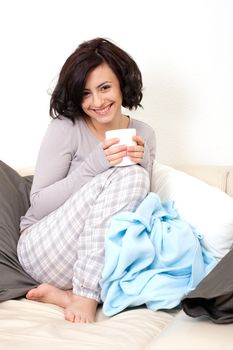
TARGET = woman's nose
x,y
97,100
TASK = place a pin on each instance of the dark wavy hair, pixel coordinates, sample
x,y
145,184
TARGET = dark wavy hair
x,y
67,96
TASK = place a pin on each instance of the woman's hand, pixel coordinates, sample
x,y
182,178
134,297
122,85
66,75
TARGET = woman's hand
x,y
114,154
136,153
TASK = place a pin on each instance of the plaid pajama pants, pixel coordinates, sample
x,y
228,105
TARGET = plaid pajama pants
x,y
66,248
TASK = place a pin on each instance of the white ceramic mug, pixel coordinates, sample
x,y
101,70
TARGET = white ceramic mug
x,y
126,138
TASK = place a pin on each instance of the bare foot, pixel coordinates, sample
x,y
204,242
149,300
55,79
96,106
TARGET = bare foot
x,y
81,309
46,293
78,309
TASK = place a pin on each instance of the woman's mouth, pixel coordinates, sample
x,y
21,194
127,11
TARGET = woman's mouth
x,y
103,111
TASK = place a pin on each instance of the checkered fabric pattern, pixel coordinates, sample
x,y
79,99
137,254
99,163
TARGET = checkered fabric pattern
x,y
66,248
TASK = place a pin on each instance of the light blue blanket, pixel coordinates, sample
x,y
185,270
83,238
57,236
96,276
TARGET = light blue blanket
x,y
151,257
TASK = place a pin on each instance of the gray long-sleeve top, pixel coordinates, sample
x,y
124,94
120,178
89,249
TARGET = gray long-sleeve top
x,y
70,156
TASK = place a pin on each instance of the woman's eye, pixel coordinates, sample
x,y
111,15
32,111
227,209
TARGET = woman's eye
x,y
85,93
105,87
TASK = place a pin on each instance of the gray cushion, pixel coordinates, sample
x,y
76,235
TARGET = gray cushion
x,y
213,297
14,202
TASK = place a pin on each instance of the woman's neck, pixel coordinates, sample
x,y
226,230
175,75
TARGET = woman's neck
x,y
99,130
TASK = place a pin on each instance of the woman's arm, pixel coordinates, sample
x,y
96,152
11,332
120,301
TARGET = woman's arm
x,y
149,151
53,181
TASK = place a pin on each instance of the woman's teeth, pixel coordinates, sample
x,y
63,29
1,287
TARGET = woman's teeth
x,y
102,111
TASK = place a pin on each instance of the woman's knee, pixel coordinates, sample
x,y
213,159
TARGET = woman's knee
x,y
136,172
135,177
131,178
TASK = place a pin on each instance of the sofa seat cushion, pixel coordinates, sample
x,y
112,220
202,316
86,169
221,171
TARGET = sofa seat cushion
x,y
230,183
27,325
193,334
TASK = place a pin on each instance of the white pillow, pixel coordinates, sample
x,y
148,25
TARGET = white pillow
x,y
206,208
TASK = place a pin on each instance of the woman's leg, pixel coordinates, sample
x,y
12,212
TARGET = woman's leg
x,y
123,191
66,249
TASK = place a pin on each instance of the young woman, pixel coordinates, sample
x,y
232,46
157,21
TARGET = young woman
x,y
77,185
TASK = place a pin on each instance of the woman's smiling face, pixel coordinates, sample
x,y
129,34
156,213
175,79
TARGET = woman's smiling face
x,y
102,97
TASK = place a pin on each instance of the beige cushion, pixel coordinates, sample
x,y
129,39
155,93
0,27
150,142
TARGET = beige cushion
x,y
27,325
211,174
229,186
187,333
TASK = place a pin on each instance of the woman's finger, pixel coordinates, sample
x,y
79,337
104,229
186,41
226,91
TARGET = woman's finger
x,y
108,143
139,140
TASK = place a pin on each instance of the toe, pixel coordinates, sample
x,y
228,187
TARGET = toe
x,y
69,316
31,294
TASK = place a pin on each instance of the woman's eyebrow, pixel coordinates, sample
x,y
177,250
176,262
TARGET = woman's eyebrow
x,y
105,82
100,85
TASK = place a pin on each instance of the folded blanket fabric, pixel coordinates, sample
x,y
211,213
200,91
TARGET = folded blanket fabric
x,y
152,257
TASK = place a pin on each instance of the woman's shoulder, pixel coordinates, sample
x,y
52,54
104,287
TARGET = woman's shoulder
x,y
141,126
64,131
63,125
61,122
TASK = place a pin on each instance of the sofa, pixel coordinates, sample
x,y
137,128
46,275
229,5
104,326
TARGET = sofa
x,y
30,325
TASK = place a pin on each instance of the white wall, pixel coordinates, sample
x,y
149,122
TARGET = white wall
x,y
184,49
